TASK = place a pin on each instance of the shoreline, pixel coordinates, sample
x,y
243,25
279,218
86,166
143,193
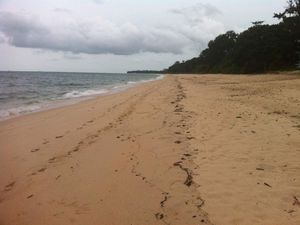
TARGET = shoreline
x,y
185,149
63,102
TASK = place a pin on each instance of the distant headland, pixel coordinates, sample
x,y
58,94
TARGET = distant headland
x,y
145,71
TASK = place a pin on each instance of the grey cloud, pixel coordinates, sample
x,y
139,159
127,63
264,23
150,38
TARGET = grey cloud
x,y
92,36
193,26
15,28
72,56
197,13
2,38
198,23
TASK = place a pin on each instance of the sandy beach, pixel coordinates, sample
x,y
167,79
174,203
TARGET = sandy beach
x,y
187,149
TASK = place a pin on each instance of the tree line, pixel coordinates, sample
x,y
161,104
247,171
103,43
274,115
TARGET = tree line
x,y
261,48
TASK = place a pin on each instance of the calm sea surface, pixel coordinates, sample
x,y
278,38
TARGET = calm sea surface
x,y
25,92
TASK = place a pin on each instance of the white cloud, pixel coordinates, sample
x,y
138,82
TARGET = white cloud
x,y
198,13
61,10
68,32
98,1
92,36
199,23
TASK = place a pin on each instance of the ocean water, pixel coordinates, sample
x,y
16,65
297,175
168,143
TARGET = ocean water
x,y
25,92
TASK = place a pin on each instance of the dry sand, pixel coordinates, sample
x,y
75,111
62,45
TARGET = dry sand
x,y
210,149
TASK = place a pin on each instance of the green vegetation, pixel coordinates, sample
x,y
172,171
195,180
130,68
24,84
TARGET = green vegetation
x,y
261,48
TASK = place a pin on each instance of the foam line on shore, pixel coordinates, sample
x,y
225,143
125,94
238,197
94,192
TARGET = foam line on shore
x,y
70,98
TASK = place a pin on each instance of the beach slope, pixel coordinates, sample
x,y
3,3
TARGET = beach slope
x,y
209,149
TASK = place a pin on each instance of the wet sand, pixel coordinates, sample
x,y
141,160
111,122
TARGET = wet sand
x,y
209,149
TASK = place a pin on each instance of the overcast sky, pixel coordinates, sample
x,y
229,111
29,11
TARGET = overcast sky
x,y
117,35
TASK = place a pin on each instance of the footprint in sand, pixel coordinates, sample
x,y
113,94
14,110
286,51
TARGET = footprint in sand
x,y
30,196
52,160
10,186
159,216
42,169
35,150
190,138
76,149
296,201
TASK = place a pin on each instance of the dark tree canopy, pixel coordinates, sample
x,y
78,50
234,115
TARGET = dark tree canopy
x,y
292,9
260,48
257,23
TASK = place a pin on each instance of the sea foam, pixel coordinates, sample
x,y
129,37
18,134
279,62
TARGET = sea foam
x,y
36,91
